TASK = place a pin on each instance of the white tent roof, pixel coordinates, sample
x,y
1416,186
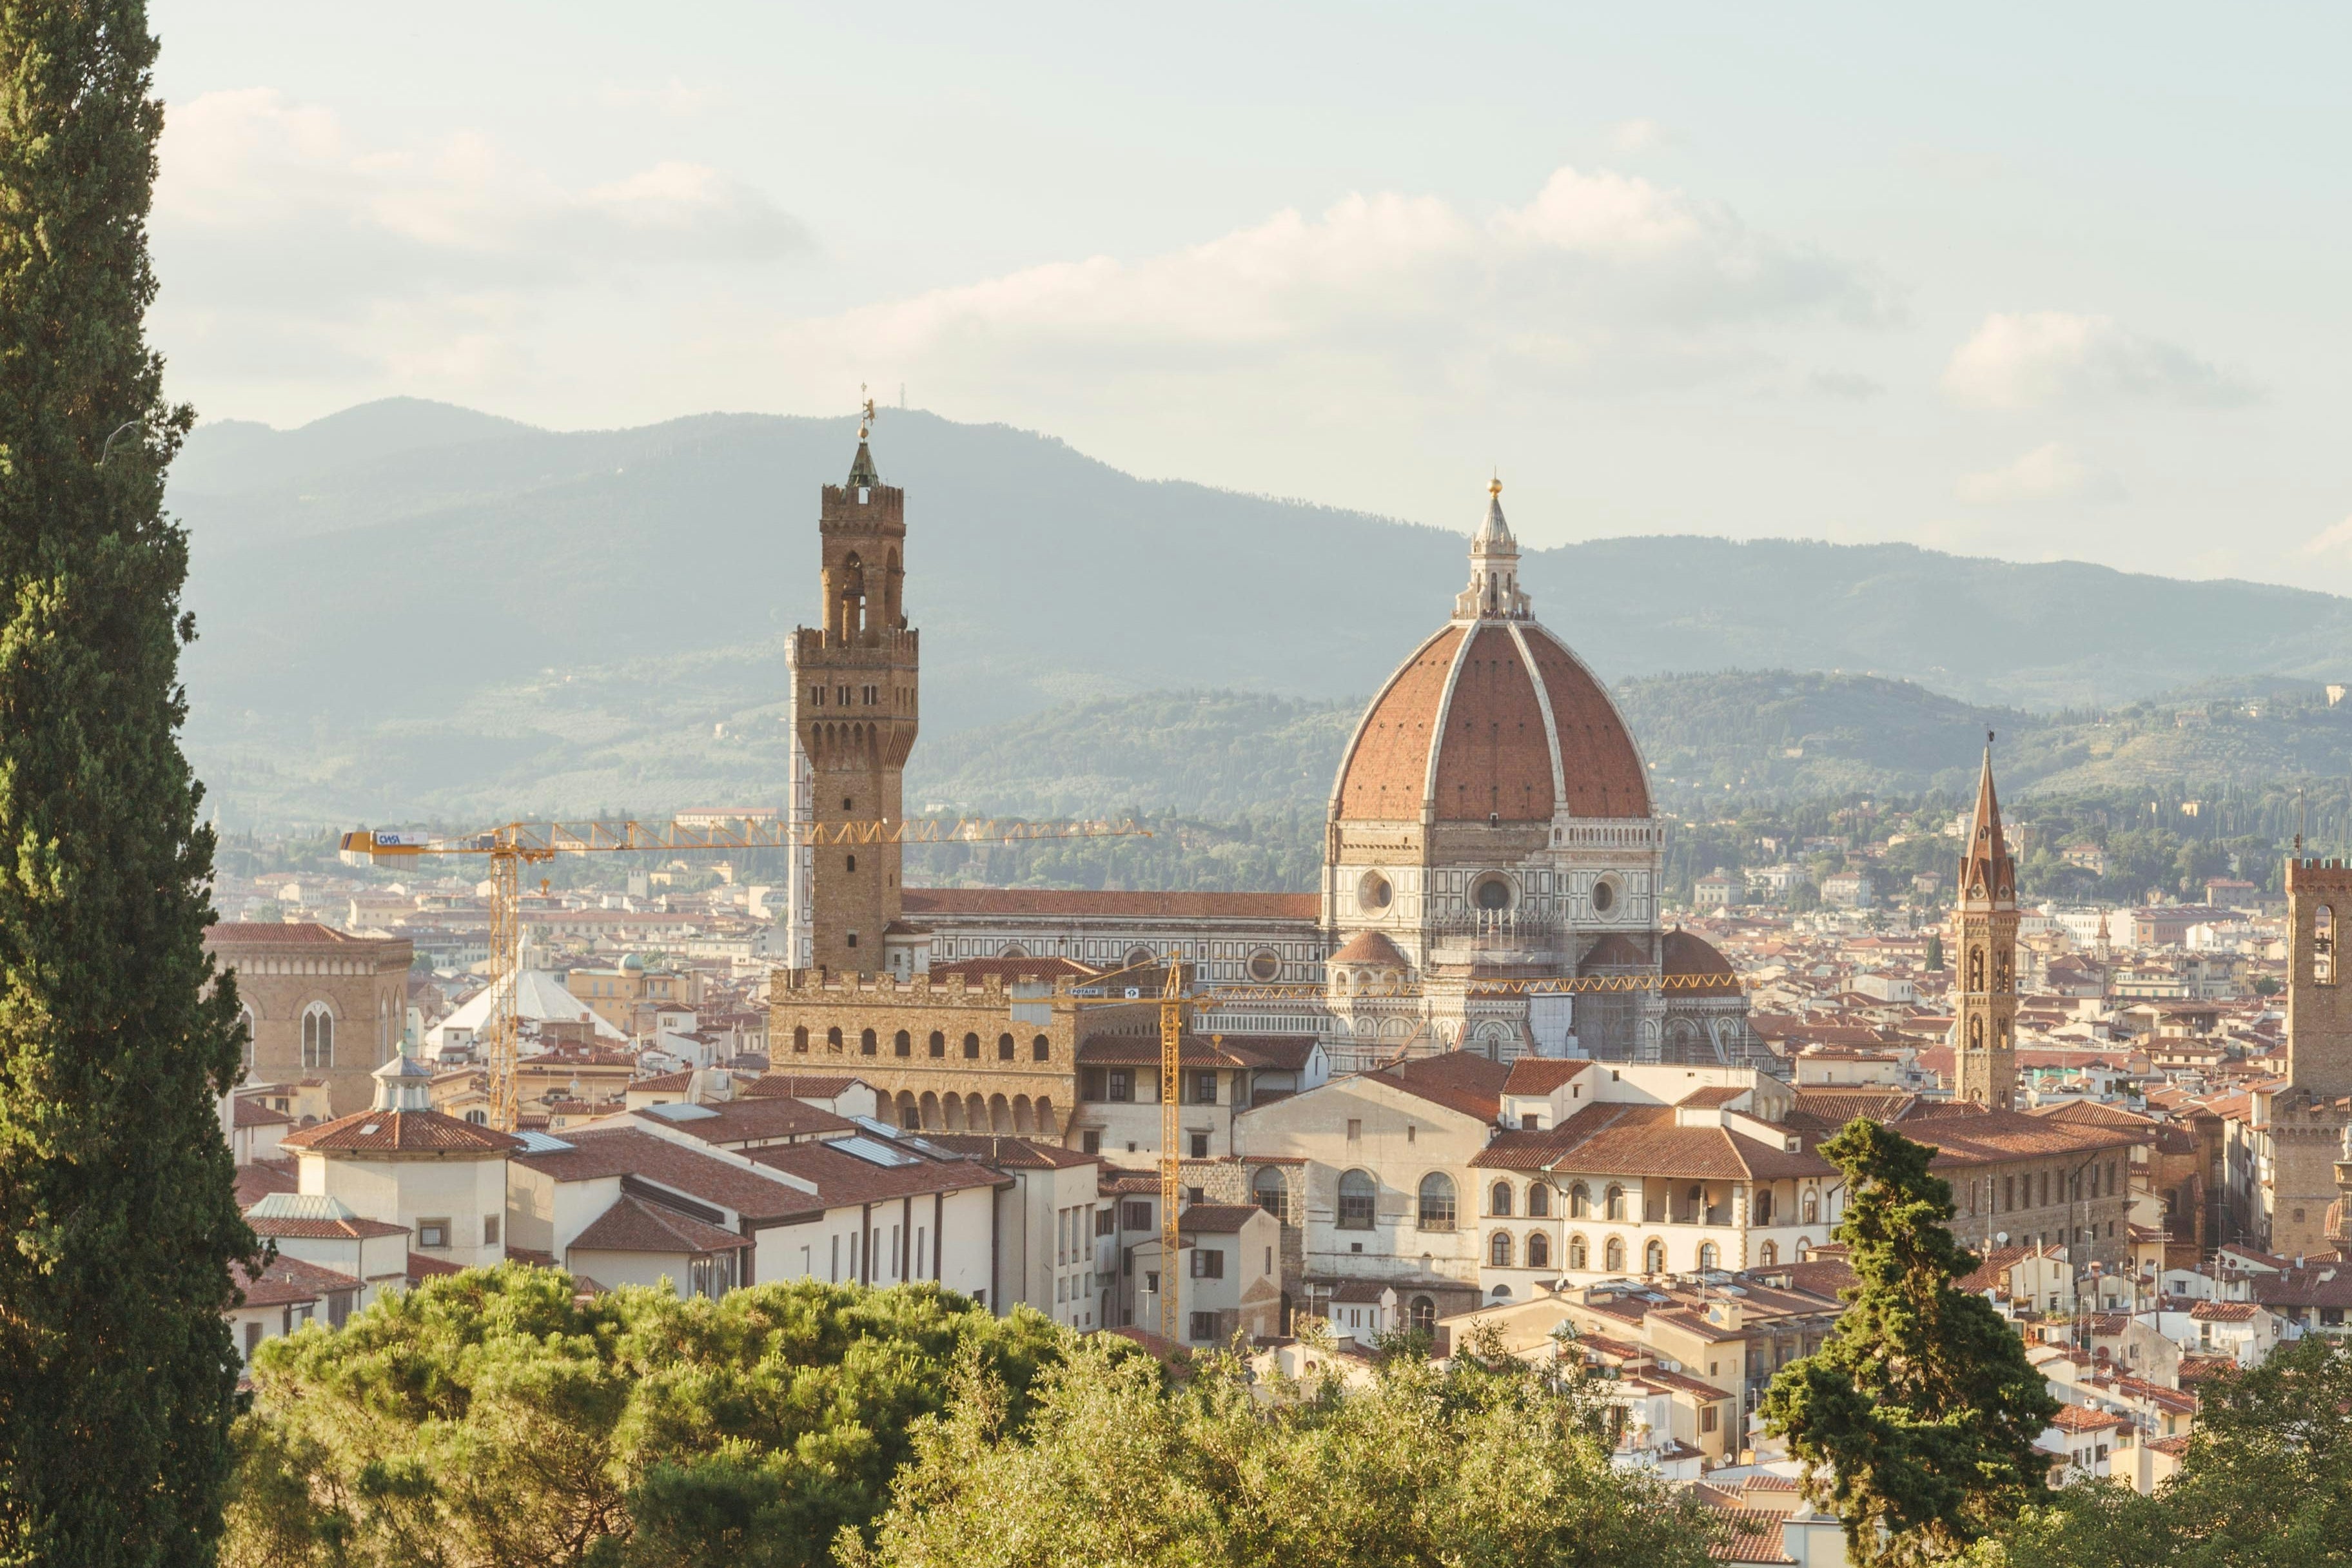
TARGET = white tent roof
x,y
540,997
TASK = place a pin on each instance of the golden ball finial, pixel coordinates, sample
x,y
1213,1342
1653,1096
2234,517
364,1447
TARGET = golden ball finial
x,y
1495,486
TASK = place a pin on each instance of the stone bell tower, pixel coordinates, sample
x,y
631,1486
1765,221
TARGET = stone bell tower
x,y
853,716
1984,1029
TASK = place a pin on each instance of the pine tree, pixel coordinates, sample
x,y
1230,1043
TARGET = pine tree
x,y
1918,1419
117,1376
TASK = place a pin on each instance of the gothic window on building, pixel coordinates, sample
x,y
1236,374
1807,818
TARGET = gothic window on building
x,y
1499,1200
1579,1202
1357,1193
800,1038
865,1043
1653,1257
1499,1249
903,1044
1614,1256
971,1047
1614,1201
1041,1049
1976,969
1709,1258
1539,1201
2322,945
1272,1193
1577,1254
1767,1254
1437,1201
1810,1207
833,1040
318,1037
1976,1033
1004,1047
1538,1250
939,1044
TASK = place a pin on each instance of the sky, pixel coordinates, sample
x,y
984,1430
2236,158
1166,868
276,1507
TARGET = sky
x,y
2025,282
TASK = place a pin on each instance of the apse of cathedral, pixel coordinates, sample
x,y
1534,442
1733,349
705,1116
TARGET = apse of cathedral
x,y
1490,820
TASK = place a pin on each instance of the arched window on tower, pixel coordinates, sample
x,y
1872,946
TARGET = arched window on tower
x,y
2322,945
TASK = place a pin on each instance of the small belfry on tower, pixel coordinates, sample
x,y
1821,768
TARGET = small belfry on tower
x,y
1493,591
1984,1026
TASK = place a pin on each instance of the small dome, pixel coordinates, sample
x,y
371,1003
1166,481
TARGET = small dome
x,y
1490,720
1616,950
633,961
1370,947
1688,954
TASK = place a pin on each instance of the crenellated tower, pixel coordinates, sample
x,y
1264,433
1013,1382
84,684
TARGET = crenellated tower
x,y
853,716
1984,1029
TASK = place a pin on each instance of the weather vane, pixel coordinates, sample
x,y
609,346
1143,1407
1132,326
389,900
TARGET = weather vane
x,y
865,412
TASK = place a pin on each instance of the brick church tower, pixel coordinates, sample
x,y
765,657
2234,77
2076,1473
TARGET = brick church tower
x,y
854,715
1984,1029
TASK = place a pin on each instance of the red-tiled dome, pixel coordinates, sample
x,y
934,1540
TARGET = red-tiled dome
x,y
1687,954
1372,947
1491,719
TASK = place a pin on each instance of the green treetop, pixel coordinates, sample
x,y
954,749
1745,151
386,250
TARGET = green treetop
x,y
1916,1420
117,1376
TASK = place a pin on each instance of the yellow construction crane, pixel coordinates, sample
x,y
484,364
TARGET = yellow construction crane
x,y
512,846
1173,999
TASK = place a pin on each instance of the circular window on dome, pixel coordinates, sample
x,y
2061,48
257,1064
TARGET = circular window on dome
x,y
1264,964
1372,891
1604,896
1492,892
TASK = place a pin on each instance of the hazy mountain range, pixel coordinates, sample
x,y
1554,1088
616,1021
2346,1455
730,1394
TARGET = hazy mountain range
x,y
414,610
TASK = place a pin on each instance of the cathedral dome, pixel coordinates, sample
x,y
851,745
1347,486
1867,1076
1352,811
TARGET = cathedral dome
x,y
1492,719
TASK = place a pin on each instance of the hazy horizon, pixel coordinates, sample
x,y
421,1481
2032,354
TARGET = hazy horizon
x,y
2017,284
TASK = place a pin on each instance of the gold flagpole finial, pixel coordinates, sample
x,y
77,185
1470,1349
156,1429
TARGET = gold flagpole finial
x,y
865,412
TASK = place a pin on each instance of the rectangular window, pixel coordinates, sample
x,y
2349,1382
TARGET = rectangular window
x,y
1103,1222
489,1230
1204,1088
252,1339
1710,1417
894,1250
1208,1263
1135,1215
836,1260
1151,1282
1355,1129
433,1233
1204,1326
1200,1145
1090,1141
1122,1086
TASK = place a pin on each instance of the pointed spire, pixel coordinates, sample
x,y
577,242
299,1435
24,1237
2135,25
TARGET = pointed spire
x,y
861,469
1988,872
1495,531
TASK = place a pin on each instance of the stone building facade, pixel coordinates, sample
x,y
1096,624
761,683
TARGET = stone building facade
x,y
319,1005
2286,1147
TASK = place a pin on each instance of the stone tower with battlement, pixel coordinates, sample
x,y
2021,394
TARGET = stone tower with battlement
x,y
1984,1026
853,716
2318,998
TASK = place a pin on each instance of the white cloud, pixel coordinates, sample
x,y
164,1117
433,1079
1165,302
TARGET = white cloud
x,y
1599,281
2333,540
285,240
1635,136
2037,358
2049,472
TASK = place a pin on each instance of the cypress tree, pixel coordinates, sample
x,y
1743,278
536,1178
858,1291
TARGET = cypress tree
x,y
117,1375
1916,1420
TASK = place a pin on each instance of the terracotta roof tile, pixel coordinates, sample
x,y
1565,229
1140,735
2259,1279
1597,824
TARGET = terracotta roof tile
x,y
629,1151
1541,1075
1011,1153
634,1225
1069,903
846,1179
1369,947
399,1132
1462,1081
286,1281
1216,1219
